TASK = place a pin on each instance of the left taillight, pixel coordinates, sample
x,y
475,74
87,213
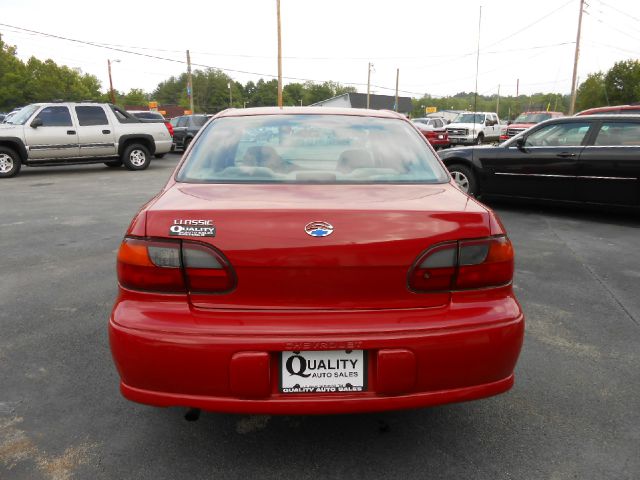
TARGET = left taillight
x,y
163,266
169,127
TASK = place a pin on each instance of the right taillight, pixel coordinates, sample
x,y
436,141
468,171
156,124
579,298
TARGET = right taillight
x,y
463,265
173,267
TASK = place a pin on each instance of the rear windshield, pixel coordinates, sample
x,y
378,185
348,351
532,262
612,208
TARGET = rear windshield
x,y
532,117
148,115
311,149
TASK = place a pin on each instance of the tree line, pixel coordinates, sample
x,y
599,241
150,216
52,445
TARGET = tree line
x,y
35,80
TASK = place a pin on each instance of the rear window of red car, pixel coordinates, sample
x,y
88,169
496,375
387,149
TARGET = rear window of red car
x,y
311,149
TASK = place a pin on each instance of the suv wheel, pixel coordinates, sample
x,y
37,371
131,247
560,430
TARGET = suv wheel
x,y
480,139
9,163
186,143
464,178
136,157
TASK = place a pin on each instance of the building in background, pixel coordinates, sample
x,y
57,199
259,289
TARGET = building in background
x,y
376,102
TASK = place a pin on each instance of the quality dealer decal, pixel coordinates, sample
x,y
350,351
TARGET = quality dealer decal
x,y
192,228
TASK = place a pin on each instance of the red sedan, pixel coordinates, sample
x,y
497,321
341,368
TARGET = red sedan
x,y
305,261
435,132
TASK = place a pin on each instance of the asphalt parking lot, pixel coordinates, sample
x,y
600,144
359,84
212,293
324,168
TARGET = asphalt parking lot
x,y
574,412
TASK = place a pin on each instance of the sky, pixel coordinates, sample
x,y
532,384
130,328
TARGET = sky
x,y
433,43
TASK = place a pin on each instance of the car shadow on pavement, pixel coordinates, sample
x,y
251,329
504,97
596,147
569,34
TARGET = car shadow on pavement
x,y
403,444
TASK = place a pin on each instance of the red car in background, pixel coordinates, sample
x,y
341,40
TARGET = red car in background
x,y
311,261
434,130
611,110
525,121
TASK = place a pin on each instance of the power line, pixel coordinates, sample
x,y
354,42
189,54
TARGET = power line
x,y
157,57
626,14
530,25
119,48
272,57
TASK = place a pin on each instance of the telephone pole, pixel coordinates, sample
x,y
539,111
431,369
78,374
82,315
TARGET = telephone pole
x,y
189,83
475,97
397,82
369,83
575,62
279,57
112,93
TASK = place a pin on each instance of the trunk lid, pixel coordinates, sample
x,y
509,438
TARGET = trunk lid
x,y
379,231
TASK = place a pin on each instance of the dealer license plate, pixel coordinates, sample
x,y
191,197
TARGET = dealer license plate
x,y
323,371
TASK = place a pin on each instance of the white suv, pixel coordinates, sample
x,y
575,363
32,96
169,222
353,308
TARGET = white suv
x,y
474,128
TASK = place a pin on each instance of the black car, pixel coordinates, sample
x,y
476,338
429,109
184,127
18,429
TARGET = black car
x,y
186,127
591,159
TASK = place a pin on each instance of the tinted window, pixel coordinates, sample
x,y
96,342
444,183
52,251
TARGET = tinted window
x,y
558,135
311,149
122,116
91,116
199,121
55,117
21,116
148,115
618,134
182,121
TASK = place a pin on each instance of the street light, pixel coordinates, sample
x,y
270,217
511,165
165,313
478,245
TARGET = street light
x,y
111,92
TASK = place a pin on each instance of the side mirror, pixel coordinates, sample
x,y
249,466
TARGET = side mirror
x,y
37,122
509,122
520,143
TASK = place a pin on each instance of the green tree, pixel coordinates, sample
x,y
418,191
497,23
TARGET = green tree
x,y
623,82
12,75
135,97
293,94
592,92
265,94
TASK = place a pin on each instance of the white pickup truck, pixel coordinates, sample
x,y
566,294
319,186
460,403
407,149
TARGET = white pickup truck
x,y
474,128
70,133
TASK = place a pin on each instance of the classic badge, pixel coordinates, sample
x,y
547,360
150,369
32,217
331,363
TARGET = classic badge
x,y
192,228
318,229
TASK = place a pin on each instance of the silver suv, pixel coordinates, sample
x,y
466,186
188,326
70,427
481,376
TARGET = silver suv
x,y
70,133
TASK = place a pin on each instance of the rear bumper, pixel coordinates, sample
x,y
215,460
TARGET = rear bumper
x,y
461,140
163,146
206,367
437,142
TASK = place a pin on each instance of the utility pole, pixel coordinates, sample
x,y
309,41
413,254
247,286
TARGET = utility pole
x,y
368,83
112,93
279,57
189,83
230,97
517,97
575,62
397,82
498,102
475,97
